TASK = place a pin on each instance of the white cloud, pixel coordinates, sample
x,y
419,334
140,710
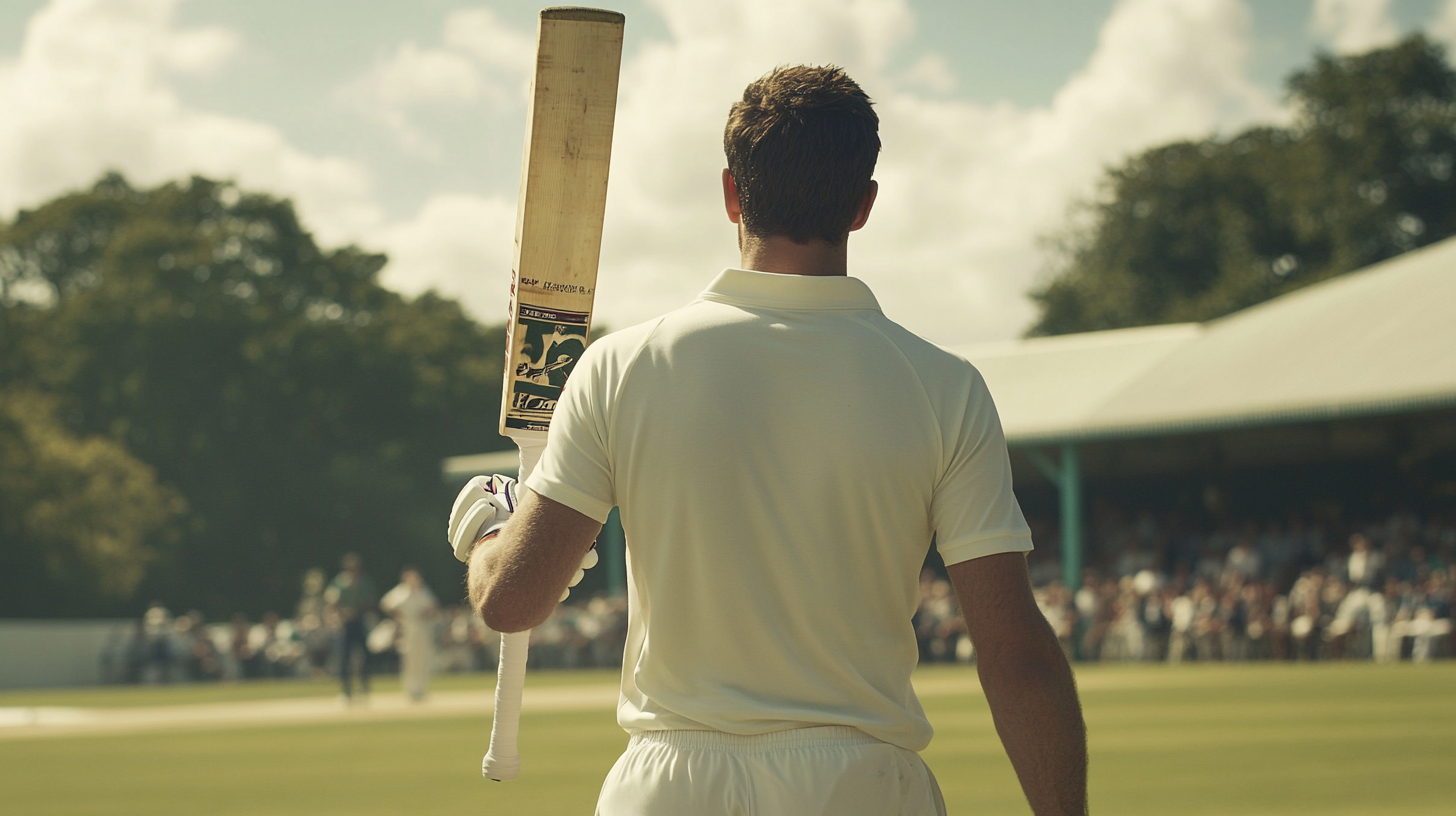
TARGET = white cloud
x,y
458,244
415,75
931,72
482,58
199,50
1354,26
494,44
89,92
1443,28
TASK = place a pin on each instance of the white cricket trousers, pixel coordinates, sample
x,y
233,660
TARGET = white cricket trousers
x,y
831,770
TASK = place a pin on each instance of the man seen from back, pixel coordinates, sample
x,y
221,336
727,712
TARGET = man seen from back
x,y
782,454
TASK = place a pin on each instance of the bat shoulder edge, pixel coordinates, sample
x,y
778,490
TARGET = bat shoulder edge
x,y
582,14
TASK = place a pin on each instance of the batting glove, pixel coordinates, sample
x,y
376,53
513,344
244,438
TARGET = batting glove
x,y
587,562
483,507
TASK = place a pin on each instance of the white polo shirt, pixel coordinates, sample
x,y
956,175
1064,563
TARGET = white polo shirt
x,y
782,454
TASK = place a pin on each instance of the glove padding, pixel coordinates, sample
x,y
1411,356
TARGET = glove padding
x,y
587,562
483,506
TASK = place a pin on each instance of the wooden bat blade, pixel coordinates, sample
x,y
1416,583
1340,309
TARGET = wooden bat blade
x,y
553,280
573,102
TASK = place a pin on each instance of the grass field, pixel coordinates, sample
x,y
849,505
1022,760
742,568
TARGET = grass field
x,y
1212,739
127,696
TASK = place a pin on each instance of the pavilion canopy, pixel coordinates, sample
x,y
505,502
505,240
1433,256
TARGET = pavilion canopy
x,y
1375,341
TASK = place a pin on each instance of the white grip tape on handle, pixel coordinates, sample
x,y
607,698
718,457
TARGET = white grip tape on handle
x,y
502,762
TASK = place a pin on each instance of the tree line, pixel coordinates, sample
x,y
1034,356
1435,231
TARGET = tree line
x,y
1194,230
197,403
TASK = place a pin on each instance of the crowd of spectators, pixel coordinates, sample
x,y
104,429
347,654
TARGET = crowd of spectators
x,y
1157,588
166,648
1161,589
162,648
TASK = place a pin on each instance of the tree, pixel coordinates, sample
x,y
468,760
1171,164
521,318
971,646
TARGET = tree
x,y
299,407
1195,230
78,514
1380,133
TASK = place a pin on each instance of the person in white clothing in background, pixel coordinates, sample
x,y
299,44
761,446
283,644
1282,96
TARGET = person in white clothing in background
x,y
413,605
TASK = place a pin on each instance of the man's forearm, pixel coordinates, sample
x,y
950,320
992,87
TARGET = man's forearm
x,y
1033,700
504,591
1027,682
516,580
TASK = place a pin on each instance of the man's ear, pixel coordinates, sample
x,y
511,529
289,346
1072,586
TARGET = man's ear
x,y
730,198
865,206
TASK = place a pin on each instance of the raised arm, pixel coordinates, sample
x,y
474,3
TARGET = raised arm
x,y
1027,681
517,578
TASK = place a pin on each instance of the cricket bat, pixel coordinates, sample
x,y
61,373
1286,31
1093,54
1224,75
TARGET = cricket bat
x,y
573,101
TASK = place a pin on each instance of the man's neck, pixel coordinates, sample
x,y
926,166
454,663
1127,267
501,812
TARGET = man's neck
x,y
779,255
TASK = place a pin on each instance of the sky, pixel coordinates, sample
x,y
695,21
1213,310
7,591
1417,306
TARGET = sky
x,y
397,126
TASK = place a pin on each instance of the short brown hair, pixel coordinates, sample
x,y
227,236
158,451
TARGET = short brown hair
x,y
801,149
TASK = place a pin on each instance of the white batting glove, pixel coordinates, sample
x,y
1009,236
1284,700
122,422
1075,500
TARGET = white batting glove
x,y
483,507
587,562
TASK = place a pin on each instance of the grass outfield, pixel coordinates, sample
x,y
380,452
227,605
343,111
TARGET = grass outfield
x,y
130,696
1214,739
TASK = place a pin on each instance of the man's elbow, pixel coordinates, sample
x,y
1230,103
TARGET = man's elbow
x,y
504,615
494,600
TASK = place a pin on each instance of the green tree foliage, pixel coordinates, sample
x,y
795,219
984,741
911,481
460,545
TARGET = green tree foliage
x,y
1196,230
299,408
75,514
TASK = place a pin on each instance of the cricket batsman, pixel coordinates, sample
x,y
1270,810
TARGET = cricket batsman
x,y
783,455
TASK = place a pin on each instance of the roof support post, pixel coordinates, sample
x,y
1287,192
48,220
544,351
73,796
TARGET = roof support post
x,y
1068,479
1069,484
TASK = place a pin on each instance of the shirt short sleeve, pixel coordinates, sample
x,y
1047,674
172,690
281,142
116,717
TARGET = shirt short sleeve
x,y
575,468
973,509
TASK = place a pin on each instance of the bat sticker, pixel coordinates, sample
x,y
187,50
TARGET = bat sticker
x,y
546,343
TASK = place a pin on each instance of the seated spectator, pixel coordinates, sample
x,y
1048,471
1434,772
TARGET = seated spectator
x,y
1244,561
1363,566
1134,558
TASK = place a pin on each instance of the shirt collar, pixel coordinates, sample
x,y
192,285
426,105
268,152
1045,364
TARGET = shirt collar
x,y
742,287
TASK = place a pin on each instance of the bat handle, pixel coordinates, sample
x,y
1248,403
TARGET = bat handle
x,y
503,763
